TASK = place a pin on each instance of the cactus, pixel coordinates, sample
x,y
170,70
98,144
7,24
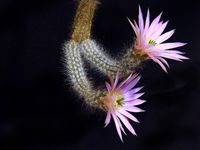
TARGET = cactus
x,y
96,54
82,47
77,75
119,98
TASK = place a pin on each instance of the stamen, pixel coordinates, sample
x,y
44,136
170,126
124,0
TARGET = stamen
x,y
119,100
152,42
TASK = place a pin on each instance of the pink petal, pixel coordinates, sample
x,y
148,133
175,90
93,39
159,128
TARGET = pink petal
x,y
165,36
116,81
126,123
174,56
117,125
174,52
153,58
147,22
137,27
128,80
133,97
170,45
120,125
170,57
131,78
133,26
164,61
140,20
135,90
159,31
132,92
128,115
108,86
111,81
108,118
161,65
134,102
134,109
156,52
131,84
153,24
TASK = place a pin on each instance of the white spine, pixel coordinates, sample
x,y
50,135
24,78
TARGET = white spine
x,y
77,75
103,62
96,55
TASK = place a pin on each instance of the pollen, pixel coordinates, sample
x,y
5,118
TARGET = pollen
x,y
119,100
150,41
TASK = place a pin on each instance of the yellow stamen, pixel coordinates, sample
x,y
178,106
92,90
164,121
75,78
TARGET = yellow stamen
x,y
112,100
150,41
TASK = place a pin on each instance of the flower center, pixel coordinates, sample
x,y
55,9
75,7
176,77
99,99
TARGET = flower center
x,y
118,101
112,101
150,41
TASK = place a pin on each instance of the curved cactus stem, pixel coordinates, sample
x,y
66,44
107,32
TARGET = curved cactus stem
x,y
77,75
96,55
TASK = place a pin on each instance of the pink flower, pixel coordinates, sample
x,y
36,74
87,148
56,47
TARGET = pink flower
x,y
149,41
121,99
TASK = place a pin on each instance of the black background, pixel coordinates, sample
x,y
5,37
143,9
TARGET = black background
x,y
39,111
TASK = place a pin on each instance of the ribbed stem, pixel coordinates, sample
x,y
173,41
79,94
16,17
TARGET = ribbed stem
x,y
81,44
94,53
83,20
77,75
131,61
81,32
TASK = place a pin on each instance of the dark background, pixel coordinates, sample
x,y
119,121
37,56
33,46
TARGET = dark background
x,y
39,111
